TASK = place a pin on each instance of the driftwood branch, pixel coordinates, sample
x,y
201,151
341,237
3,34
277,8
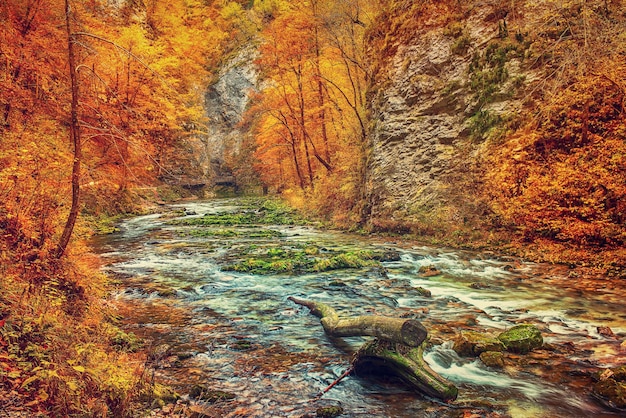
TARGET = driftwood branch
x,y
405,331
399,347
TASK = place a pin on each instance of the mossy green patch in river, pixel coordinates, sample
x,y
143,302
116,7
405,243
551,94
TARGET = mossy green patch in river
x,y
263,212
233,233
522,338
301,260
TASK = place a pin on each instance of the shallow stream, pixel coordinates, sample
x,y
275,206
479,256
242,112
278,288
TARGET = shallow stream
x,y
237,332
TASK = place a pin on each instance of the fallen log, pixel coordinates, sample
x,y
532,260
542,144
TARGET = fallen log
x,y
405,331
398,347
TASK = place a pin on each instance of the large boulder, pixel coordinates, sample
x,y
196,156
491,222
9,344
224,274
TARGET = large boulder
x,y
521,339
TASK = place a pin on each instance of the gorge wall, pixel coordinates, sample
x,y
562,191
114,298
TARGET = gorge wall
x,y
225,102
424,109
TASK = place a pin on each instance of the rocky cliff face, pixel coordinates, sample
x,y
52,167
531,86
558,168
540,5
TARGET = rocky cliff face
x,y
225,103
426,113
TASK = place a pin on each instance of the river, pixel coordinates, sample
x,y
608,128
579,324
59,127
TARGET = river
x,y
238,332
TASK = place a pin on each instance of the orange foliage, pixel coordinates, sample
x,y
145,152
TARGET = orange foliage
x,y
138,99
566,178
309,124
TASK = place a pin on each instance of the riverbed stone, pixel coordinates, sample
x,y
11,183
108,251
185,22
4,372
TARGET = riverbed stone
x,y
328,411
209,395
611,387
521,338
472,344
428,271
493,359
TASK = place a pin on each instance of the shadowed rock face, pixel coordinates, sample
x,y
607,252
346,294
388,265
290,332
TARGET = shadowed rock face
x,y
225,102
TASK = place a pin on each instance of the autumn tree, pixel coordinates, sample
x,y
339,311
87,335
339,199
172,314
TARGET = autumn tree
x,y
559,178
310,126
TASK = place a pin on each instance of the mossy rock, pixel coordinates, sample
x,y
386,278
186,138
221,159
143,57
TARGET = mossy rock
x,y
493,359
423,292
126,342
328,411
472,344
612,392
522,338
619,373
428,271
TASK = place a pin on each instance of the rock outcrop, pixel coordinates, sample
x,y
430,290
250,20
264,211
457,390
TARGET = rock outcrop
x,y
225,102
424,107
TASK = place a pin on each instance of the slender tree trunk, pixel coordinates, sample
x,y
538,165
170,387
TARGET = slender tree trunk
x,y
320,99
74,137
302,124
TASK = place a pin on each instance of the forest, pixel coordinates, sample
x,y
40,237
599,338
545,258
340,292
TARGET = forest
x,y
102,105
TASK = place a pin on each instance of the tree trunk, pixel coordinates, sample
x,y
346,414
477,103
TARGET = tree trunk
x,y
407,363
406,331
398,348
74,137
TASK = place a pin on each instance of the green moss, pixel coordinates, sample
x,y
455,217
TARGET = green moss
x,y
159,395
209,395
461,45
488,71
521,338
328,411
256,212
482,122
128,342
300,260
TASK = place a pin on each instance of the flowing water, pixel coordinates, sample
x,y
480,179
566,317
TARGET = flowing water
x,y
239,333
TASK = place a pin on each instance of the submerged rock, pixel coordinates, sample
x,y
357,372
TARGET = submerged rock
x,y
611,387
209,395
329,411
423,292
492,359
428,271
472,344
522,338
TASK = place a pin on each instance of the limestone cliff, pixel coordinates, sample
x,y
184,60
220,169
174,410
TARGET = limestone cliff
x,y
426,111
225,103
501,122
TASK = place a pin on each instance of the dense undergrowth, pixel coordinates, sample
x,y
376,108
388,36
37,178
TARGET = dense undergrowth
x,y
60,352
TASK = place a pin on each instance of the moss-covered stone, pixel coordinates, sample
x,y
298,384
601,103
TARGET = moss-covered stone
x,y
328,411
472,344
423,292
522,338
492,359
428,271
305,260
612,391
127,342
